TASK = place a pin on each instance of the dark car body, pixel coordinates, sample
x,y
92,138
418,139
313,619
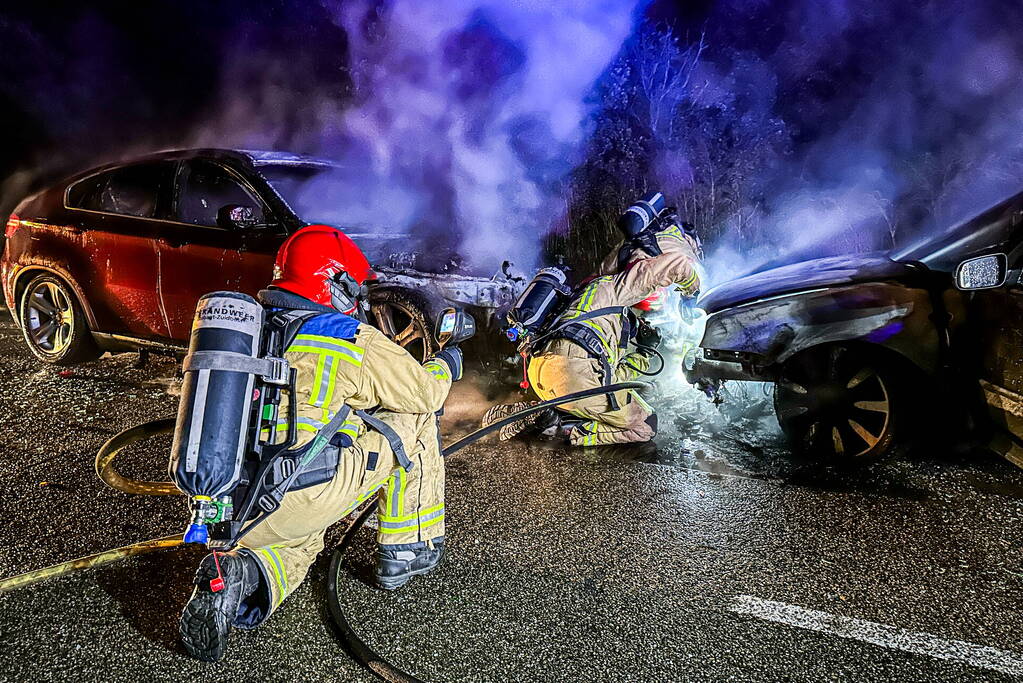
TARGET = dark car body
x,y
137,243
901,315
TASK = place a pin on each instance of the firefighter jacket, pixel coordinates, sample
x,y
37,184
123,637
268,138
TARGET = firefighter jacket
x,y
340,361
670,240
640,279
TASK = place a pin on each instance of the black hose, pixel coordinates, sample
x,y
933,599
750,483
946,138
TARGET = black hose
x,y
350,640
567,398
647,373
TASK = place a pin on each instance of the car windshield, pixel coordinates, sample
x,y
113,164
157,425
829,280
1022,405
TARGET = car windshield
x,y
375,213
998,228
321,192
307,189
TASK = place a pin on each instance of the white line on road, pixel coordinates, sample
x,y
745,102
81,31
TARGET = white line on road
x,y
879,634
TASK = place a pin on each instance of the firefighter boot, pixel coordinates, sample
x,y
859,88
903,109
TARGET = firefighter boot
x,y
210,612
396,564
510,431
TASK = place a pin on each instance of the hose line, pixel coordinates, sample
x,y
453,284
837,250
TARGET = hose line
x,y
109,450
105,557
350,640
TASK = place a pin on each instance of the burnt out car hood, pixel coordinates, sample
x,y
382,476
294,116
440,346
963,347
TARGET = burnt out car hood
x,y
822,272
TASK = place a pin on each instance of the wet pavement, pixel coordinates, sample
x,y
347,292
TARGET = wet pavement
x,y
709,557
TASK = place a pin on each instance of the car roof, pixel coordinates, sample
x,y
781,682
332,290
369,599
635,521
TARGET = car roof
x,y
247,157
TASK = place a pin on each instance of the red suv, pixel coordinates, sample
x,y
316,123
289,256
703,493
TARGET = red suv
x,y
115,258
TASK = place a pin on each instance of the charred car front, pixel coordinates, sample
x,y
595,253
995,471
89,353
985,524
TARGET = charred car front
x,y
862,347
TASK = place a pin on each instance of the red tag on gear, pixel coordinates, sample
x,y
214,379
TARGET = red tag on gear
x,y
217,584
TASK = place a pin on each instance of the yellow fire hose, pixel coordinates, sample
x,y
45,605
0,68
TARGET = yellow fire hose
x,y
105,470
351,641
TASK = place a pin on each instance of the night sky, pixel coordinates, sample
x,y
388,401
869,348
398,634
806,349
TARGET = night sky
x,y
849,114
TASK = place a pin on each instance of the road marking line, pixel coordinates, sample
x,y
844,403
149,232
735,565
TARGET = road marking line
x,y
892,637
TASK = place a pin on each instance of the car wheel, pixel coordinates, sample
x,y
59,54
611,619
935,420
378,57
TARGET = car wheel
x,y
54,324
838,405
405,320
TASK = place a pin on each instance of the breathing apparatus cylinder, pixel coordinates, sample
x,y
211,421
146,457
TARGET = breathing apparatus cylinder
x,y
538,300
215,408
638,217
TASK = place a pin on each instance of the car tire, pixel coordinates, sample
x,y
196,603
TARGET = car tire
x,y
405,318
839,405
53,322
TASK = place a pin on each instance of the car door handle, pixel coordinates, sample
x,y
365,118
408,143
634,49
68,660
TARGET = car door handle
x,y
172,243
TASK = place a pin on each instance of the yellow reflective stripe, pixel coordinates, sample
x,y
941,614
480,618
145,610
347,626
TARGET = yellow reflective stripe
x,y
671,231
639,399
314,397
284,572
363,498
357,362
414,515
302,427
332,341
437,369
387,495
276,573
331,383
689,281
401,491
611,353
591,293
413,527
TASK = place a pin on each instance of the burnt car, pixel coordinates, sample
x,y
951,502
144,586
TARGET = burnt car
x,y
116,258
870,351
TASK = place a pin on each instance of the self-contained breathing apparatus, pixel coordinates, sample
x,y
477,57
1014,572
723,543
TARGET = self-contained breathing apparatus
x,y
540,315
224,454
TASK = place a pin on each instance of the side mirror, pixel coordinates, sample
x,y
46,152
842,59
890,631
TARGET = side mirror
x,y
236,217
982,272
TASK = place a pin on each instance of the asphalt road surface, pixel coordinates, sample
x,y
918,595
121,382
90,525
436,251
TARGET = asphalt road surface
x,y
710,557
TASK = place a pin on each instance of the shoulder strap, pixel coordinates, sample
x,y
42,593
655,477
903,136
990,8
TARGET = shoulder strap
x,y
559,324
289,323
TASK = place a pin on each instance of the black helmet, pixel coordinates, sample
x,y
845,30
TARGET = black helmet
x,y
638,217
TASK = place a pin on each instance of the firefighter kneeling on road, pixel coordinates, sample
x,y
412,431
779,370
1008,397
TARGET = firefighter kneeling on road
x,y
588,345
397,460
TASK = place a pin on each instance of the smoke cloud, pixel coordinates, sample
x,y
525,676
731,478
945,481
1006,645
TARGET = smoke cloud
x,y
478,127
462,123
895,120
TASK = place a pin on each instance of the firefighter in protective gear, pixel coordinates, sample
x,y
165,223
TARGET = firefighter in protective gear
x,y
597,351
395,458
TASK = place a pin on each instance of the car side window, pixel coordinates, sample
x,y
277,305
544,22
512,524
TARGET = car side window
x,y
205,187
128,191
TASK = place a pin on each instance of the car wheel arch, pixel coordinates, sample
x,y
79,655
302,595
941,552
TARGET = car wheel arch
x,y
908,390
27,273
777,329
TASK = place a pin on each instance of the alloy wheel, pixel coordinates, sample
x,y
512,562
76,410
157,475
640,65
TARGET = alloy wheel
x,y
403,325
837,404
50,317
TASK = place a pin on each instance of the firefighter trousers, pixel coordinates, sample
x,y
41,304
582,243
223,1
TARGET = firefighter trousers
x,y
554,374
410,508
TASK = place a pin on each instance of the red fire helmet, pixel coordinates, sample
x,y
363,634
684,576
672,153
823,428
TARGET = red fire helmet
x,y
324,265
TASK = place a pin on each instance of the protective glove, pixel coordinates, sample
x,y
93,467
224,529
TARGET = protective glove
x,y
452,357
647,336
